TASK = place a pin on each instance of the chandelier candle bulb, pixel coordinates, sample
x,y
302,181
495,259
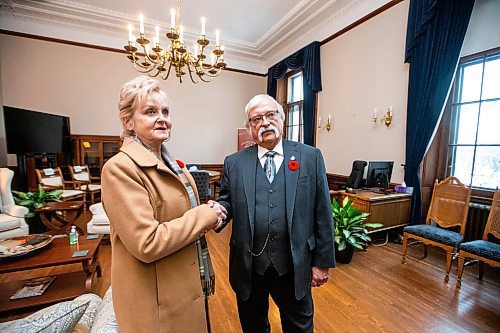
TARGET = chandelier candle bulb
x,y
181,34
157,29
130,36
172,18
203,22
141,24
213,59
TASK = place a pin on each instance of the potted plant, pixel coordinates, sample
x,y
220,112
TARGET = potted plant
x,y
350,229
35,200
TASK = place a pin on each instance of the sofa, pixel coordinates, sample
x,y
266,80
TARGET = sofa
x,y
87,313
12,223
99,224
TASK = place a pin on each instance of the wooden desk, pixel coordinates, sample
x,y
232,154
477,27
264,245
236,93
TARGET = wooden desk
x,y
66,286
393,210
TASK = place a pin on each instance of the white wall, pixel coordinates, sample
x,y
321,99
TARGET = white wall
x,y
361,70
84,84
483,32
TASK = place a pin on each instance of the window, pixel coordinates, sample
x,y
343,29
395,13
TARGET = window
x,y
294,127
474,148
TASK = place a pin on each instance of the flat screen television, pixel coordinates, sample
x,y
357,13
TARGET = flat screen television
x,y
29,132
379,174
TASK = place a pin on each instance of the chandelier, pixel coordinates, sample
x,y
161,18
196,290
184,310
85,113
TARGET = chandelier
x,y
156,61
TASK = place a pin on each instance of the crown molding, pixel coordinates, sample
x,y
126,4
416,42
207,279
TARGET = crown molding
x,y
307,21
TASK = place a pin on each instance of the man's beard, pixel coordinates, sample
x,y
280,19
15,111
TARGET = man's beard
x,y
265,129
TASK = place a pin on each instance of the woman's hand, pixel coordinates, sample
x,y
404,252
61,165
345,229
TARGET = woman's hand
x,y
220,211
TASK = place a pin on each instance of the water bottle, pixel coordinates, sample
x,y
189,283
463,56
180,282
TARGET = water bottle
x,y
73,236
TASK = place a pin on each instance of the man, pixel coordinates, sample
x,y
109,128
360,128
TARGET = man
x,y
282,236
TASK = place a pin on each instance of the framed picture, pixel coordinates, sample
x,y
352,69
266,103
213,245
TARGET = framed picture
x,y
244,139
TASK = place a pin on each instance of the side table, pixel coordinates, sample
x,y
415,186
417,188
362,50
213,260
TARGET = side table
x,y
59,216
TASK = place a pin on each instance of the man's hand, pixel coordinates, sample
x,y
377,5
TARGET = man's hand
x,y
220,211
319,276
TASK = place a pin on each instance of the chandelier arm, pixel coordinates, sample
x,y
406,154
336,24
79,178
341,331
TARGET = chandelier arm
x,y
191,75
143,69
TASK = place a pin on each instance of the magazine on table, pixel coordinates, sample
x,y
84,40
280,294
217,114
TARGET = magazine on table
x,y
33,287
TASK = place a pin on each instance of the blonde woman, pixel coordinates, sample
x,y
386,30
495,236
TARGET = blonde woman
x,y
161,272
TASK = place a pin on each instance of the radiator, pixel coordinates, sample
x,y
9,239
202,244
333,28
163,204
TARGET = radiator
x,y
476,221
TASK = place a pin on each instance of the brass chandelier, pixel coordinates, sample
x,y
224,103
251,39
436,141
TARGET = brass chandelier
x,y
157,61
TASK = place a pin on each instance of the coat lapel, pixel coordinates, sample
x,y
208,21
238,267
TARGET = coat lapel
x,y
291,178
248,165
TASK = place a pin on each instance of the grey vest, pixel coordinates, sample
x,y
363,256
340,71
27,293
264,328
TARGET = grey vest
x,y
270,215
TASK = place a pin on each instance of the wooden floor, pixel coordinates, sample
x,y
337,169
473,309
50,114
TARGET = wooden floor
x,y
375,293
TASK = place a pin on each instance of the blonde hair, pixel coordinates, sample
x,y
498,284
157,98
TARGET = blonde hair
x,y
133,94
258,100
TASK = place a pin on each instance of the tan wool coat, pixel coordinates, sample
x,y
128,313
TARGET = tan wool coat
x,y
154,266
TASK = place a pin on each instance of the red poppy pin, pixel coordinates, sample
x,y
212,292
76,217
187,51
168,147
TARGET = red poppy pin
x,y
180,163
293,164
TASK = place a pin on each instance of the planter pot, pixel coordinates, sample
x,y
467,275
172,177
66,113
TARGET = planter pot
x,y
344,256
36,225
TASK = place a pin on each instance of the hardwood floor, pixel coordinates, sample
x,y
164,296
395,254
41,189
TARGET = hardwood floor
x,y
375,293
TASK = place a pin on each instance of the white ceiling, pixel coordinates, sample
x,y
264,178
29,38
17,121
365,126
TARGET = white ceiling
x,y
256,34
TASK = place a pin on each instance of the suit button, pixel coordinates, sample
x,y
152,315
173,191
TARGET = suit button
x,y
272,206
272,238
271,191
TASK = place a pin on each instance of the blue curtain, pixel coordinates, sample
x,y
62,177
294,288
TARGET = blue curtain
x,y
435,34
307,59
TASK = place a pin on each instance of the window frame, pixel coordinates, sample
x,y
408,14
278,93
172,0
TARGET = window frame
x,y
454,110
288,105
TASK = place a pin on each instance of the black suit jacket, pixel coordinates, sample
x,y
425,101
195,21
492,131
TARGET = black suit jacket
x,y
308,212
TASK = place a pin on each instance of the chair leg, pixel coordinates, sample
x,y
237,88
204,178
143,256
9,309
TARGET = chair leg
x,y
448,266
425,250
461,263
405,247
481,269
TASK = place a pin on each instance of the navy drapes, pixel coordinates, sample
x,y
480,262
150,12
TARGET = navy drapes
x,y
308,59
434,38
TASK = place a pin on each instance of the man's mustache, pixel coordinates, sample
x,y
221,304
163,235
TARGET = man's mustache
x,y
271,127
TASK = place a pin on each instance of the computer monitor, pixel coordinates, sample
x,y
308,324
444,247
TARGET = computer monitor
x,y
379,174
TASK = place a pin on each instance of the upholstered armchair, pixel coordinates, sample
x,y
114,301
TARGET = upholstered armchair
x,y
12,223
486,250
52,179
448,209
202,180
80,175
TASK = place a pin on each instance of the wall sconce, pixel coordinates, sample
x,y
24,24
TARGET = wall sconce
x,y
327,125
386,118
86,144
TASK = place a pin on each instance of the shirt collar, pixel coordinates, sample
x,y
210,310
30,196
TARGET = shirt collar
x,y
261,151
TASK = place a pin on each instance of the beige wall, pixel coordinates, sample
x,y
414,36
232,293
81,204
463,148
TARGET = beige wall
x,y
362,70
84,84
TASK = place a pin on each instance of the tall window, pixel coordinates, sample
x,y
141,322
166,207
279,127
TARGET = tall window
x,y
294,126
474,149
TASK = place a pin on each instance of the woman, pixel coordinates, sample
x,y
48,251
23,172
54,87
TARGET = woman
x,y
160,270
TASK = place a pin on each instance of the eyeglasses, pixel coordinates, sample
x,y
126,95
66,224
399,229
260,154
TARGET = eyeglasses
x,y
270,115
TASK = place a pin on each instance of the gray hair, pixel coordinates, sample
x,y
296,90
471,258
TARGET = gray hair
x,y
258,100
133,94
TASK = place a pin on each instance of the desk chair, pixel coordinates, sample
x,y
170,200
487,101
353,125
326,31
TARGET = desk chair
x,y
52,179
486,250
81,176
449,207
202,180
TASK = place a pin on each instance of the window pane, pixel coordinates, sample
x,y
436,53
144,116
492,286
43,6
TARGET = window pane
x,y
489,123
466,123
487,167
491,83
295,133
297,88
471,82
462,163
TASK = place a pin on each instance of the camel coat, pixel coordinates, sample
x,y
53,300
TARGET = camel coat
x,y
154,267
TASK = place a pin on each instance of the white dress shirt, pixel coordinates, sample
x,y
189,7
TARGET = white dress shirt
x,y
278,158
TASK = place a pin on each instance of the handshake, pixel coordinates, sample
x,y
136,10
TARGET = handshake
x,y
220,211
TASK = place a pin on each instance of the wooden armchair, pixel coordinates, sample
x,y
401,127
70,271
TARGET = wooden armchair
x,y
52,179
484,250
81,176
449,207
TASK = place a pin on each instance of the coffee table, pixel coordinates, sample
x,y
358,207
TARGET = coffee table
x,y
66,286
59,216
